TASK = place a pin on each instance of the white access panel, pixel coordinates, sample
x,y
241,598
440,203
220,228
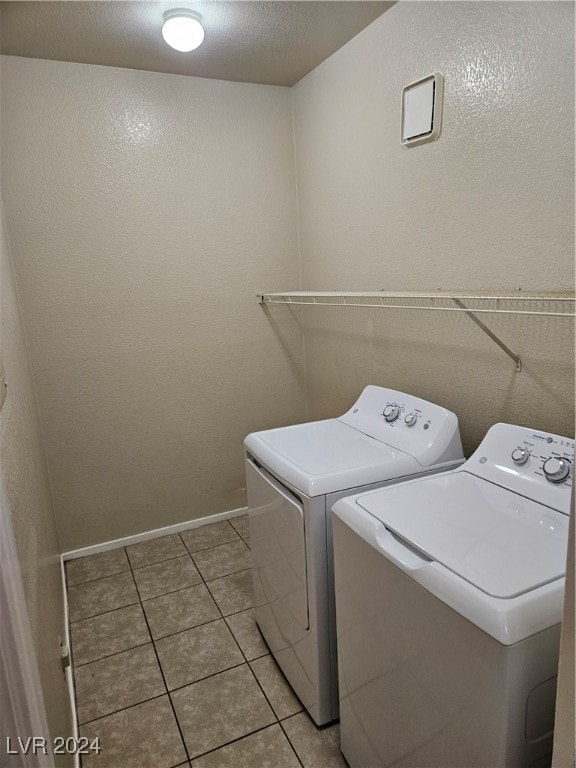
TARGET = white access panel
x,y
418,109
422,110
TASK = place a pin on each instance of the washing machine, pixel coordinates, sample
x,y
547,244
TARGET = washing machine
x,y
294,474
449,597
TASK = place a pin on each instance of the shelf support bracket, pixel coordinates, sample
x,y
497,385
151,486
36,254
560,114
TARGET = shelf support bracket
x,y
489,333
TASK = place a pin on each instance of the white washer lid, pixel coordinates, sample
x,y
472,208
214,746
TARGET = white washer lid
x,y
327,456
500,542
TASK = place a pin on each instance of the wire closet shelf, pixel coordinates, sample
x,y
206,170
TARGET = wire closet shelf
x,y
548,304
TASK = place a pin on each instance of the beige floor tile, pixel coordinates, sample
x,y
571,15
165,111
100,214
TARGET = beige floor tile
x,y
220,709
207,536
268,748
247,634
117,682
282,698
180,610
108,633
144,736
155,550
240,525
96,566
233,593
222,560
167,576
102,595
246,541
197,653
316,747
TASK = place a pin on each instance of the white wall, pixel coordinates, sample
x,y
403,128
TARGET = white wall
x,y
146,210
490,205
28,503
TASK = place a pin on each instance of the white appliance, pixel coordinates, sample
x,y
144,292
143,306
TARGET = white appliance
x,y
449,598
294,475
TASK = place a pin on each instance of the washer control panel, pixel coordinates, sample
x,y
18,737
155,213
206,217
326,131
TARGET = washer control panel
x,y
535,464
404,415
424,430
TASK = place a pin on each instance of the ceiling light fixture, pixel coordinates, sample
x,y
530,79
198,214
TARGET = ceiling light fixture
x,y
183,29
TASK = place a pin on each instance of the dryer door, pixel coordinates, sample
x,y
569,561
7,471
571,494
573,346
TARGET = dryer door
x,y
277,541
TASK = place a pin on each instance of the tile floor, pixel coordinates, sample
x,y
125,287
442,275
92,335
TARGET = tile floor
x,y
170,668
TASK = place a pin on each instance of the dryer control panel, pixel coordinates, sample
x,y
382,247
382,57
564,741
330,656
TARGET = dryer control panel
x,y
422,429
536,464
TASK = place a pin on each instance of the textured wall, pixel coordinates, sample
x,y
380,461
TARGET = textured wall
x,y
490,205
145,212
28,502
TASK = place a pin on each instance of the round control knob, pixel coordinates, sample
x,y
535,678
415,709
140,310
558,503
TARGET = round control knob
x,y
520,455
556,470
410,419
391,412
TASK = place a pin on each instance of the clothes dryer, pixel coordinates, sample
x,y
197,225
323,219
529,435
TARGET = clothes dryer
x,y
294,475
449,598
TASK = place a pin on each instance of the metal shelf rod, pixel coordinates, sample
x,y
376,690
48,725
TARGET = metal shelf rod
x,y
415,307
352,299
520,296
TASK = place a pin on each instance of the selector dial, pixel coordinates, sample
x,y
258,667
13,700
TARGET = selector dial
x,y
410,419
556,470
520,455
391,412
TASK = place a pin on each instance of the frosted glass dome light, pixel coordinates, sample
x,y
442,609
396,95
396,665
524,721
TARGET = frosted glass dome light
x,y
183,29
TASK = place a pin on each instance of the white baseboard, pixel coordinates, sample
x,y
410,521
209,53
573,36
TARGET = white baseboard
x,y
69,675
138,537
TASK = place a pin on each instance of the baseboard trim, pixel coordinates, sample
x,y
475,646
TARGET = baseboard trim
x,y
68,674
138,537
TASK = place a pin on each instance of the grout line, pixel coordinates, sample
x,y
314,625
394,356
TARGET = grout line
x,y
156,562
242,610
240,649
161,562
163,676
243,570
212,546
223,618
276,665
289,740
102,613
130,706
263,692
109,655
258,681
97,578
173,591
239,738
215,578
206,677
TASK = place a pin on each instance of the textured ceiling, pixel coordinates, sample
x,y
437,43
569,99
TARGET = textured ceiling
x,y
276,43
